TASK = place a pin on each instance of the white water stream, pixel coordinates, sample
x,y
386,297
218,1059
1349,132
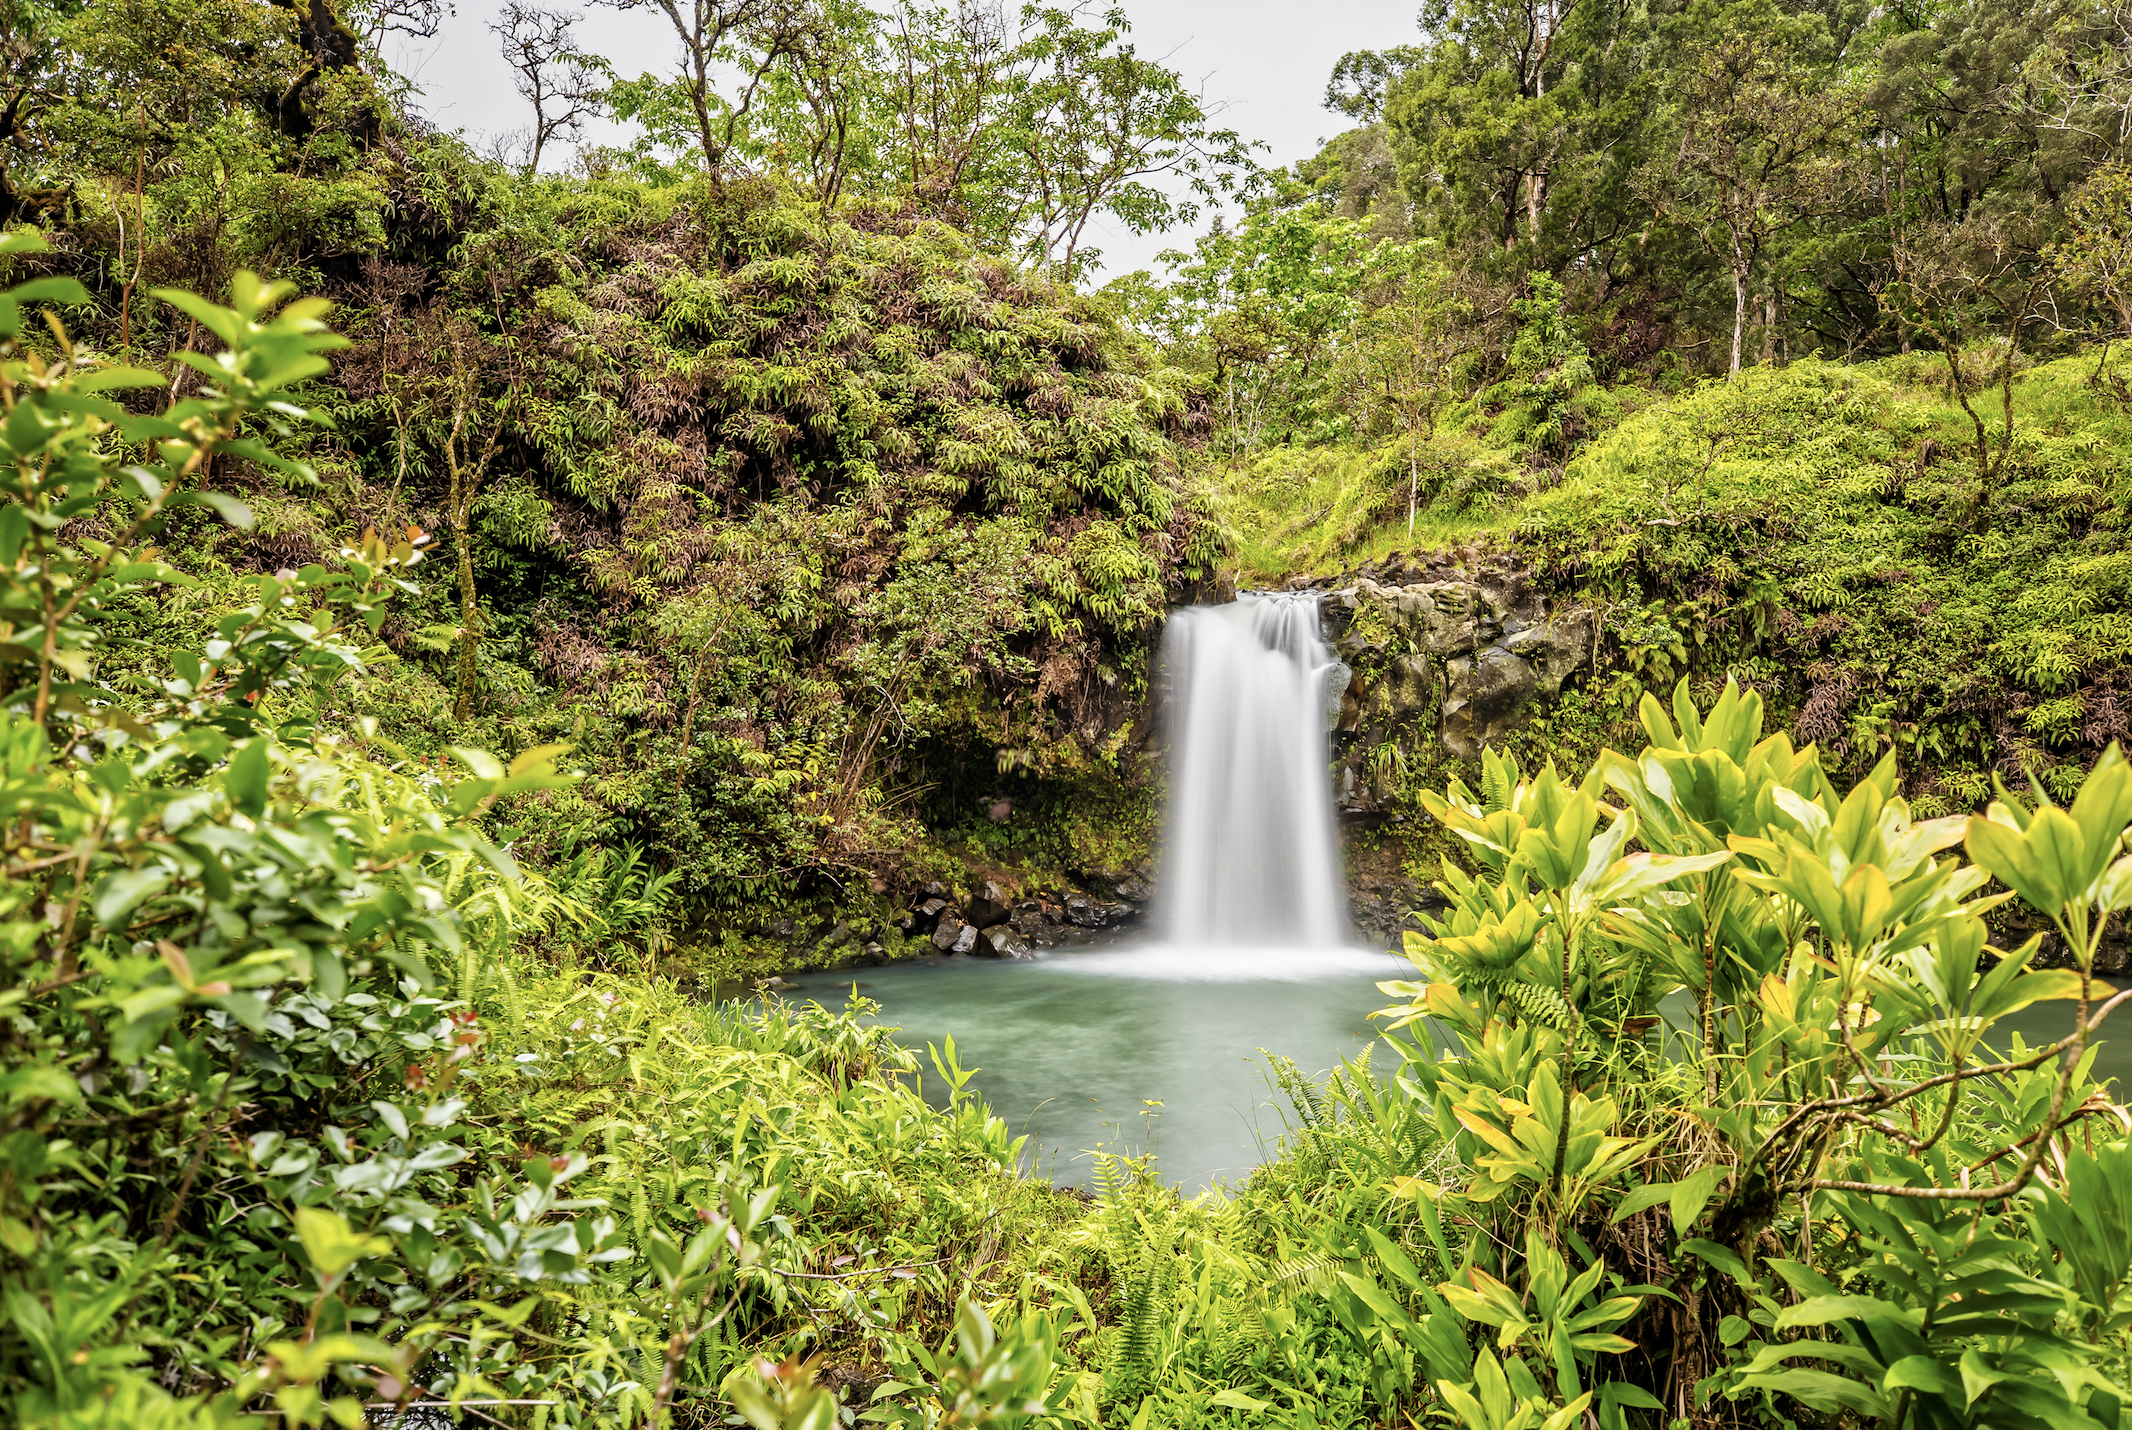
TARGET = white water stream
x,y
1158,1046
1249,858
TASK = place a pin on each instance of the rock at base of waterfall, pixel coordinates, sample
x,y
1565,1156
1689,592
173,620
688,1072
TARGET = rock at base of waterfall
x,y
1128,886
1035,922
989,905
948,933
1001,941
1086,912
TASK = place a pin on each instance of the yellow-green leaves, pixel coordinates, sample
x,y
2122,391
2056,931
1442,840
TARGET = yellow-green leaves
x,y
1529,1144
331,1246
2064,862
1957,988
1865,875
1496,942
1491,1401
1552,1314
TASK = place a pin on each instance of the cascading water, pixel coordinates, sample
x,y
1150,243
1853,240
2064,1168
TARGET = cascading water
x,y
1080,1046
1250,859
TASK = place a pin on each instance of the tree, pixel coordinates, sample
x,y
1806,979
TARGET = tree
x,y
950,73
1095,128
1757,130
1408,351
827,74
373,20
1517,118
468,455
1263,307
564,85
751,36
433,369
2094,262
1970,290
1361,79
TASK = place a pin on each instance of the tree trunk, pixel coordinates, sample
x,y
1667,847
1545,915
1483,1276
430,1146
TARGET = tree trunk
x,y
1739,315
1413,486
469,611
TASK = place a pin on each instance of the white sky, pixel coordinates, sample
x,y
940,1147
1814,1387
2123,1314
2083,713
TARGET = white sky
x,y
1267,61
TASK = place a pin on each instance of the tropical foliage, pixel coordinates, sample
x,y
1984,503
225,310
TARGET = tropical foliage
x,y
643,565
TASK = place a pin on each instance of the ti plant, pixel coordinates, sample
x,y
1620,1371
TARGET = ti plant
x,y
1839,1189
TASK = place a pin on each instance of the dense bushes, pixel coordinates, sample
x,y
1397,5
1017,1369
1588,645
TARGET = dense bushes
x,y
313,1106
262,1147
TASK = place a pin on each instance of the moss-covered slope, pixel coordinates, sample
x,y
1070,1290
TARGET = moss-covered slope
x,y
1819,531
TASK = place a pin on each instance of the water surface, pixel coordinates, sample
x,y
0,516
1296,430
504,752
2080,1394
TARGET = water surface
x,y
1074,1046
1159,1049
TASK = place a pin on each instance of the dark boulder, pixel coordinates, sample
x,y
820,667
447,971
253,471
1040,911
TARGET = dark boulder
x,y
1001,941
989,905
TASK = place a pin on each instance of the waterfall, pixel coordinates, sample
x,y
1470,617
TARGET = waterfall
x,y
1250,859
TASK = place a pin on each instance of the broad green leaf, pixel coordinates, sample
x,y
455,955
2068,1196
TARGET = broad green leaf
x,y
330,1245
250,770
1922,1373
123,892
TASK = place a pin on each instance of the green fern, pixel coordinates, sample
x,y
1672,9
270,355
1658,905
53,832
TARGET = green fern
x,y
1543,1005
1146,1304
1316,1272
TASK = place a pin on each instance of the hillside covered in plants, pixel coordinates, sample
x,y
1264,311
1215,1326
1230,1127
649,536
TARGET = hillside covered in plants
x,y
473,606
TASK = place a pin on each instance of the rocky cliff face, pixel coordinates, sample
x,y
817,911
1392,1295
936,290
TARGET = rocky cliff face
x,y
1440,656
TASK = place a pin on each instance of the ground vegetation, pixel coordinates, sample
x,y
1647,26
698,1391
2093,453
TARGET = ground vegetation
x,y
627,570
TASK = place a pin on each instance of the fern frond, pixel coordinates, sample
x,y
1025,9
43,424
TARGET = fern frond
x,y
1543,1005
1316,1271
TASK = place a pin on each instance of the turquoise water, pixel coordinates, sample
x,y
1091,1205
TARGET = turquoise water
x,y
1073,1047
1158,1049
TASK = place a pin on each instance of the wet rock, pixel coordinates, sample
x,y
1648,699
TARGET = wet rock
x,y
920,920
1484,697
1438,652
1489,694
1034,922
1120,886
2013,924
1001,941
1086,912
966,939
947,932
990,905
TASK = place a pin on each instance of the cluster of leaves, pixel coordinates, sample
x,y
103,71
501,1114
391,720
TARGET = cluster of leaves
x,y
262,1152
833,520
1834,1189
